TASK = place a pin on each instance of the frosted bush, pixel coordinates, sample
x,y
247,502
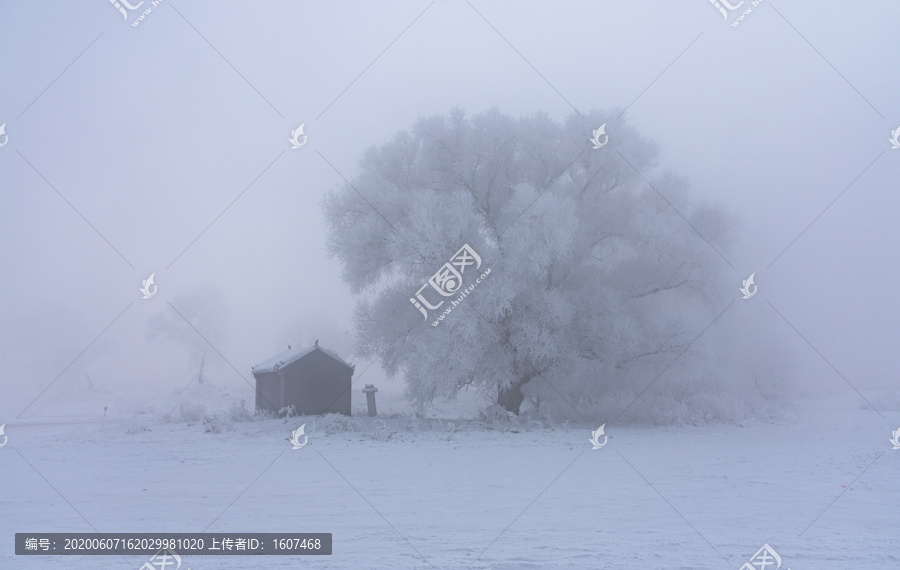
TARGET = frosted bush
x,y
217,424
186,412
338,423
495,414
237,412
287,412
266,414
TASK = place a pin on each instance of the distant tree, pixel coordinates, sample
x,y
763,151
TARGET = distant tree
x,y
102,347
66,333
592,271
197,319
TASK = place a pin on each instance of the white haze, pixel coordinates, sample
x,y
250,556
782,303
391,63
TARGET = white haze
x,y
150,135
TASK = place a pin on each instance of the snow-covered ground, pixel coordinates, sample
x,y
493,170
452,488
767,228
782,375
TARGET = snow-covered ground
x,y
820,487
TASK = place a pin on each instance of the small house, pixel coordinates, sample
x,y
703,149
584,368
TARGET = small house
x,y
313,380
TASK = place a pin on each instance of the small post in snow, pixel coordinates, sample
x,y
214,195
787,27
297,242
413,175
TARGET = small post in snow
x,y
370,390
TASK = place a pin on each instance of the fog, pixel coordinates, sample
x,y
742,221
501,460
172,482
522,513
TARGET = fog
x,y
163,148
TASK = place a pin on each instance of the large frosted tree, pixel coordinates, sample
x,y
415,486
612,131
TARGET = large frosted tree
x,y
592,270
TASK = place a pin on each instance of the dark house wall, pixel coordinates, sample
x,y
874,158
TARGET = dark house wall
x,y
269,391
317,384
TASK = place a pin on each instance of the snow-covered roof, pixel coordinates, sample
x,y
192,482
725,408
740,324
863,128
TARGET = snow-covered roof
x,y
291,355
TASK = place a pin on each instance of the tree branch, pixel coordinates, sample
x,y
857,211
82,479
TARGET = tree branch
x,y
634,357
668,285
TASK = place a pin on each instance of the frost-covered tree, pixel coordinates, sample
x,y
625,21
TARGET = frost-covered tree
x,y
592,272
194,320
102,347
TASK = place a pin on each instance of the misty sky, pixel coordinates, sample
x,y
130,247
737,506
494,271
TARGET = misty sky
x,y
127,143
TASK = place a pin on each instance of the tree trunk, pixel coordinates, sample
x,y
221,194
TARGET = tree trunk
x,y
201,377
511,398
